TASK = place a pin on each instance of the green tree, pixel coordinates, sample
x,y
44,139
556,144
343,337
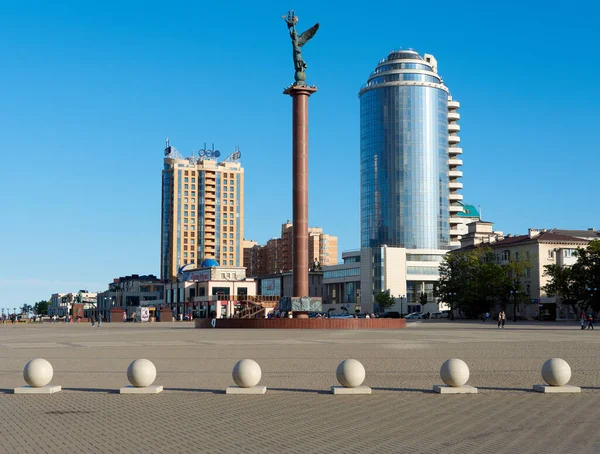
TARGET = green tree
x,y
513,285
41,307
384,300
471,280
571,283
26,308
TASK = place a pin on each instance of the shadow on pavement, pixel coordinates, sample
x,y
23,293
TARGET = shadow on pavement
x,y
6,391
495,388
299,390
197,390
94,390
406,390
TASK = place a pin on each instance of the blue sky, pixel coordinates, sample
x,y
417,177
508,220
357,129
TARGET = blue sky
x,y
91,90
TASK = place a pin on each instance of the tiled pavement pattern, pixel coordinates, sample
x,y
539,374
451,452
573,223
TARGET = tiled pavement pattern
x,y
297,415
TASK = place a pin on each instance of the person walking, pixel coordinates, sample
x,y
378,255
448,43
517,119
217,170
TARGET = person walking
x,y
582,322
487,316
499,319
99,320
213,316
93,320
590,322
503,319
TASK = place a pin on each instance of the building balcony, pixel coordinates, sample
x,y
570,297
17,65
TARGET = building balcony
x,y
454,244
455,197
453,162
453,139
453,105
455,185
455,174
454,220
454,233
453,116
453,127
456,209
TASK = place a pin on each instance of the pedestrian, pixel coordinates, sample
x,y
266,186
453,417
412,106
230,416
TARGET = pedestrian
x,y
582,322
99,319
503,319
213,316
591,322
93,320
487,316
499,319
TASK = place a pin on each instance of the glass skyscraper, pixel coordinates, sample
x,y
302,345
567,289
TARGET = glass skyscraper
x,y
404,142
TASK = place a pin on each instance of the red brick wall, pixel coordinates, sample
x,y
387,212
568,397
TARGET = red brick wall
x,y
310,323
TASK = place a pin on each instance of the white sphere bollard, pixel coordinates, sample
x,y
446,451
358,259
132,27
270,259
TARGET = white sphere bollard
x,y
38,373
141,373
454,372
246,373
556,372
350,373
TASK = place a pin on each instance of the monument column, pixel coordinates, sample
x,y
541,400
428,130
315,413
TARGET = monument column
x,y
300,95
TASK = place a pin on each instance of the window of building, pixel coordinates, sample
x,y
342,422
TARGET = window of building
x,y
231,235
185,241
185,207
231,188
193,186
193,227
231,262
192,254
192,241
230,222
185,254
186,178
224,235
185,200
230,256
231,215
567,253
526,255
193,180
230,249
185,227
231,195
517,256
184,233
193,221
550,254
185,247
185,213
185,221
185,186
185,193
193,200
193,213
231,242
193,193
527,272
528,289
505,255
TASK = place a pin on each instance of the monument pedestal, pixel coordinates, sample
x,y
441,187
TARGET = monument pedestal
x,y
464,389
351,391
153,389
240,390
556,389
49,389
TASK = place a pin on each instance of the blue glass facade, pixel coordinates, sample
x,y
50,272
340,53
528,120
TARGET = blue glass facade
x,y
166,222
403,151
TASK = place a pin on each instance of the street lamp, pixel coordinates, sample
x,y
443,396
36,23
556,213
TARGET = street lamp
x,y
452,296
401,305
515,293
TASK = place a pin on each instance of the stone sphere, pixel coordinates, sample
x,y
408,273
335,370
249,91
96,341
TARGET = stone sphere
x,y
556,372
246,373
454,372
38,372
141,373
350,373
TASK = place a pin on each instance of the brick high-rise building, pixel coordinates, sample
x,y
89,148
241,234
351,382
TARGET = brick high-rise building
x,y
202,210
276,255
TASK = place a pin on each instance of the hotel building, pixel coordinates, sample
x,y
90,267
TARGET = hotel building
x,y
202,210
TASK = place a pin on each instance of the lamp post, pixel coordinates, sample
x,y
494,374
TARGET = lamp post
x,y
452,298
514,293
592,292
401,305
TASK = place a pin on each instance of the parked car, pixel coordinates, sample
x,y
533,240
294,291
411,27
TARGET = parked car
x,y
391,314
414,315
436,315
445,314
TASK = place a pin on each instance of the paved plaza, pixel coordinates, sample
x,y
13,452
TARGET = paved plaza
x,y
298,415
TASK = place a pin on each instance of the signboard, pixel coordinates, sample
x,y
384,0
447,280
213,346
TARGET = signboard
x,y
198,275
303,304
143,314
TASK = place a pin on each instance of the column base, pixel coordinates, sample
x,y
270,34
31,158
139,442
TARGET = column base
x,y
556,389
345,391
445,389
50,389
154,389
239,390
